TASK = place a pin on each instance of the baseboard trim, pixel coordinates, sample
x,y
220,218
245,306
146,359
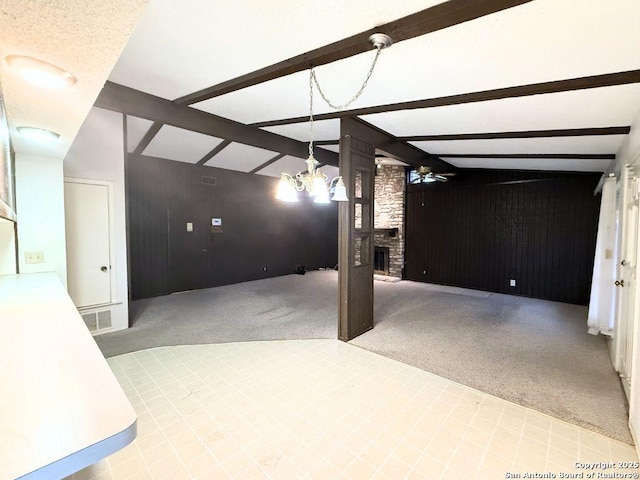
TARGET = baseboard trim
x,y
634,435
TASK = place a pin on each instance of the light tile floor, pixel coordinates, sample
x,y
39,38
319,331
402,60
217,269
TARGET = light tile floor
x,y
323,409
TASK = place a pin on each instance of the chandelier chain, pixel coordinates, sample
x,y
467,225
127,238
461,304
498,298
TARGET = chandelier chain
x,y
313,79
358,93
311,113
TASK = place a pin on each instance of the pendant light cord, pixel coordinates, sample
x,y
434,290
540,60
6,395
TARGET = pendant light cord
x,y
311,76
313,79
358,93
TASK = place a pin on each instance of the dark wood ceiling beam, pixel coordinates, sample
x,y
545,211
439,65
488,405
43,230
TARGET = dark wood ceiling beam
x,y
438,17
119,98
557,86
148,137
569,132
388,143
214,151
267,163
568,156
572,132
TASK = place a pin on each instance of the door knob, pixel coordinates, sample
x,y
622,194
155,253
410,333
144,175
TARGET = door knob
x,y
620,283
104,268
623,263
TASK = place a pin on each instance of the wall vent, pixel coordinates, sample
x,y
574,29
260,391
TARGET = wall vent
x,y
97,320
209,181
91,321
104,319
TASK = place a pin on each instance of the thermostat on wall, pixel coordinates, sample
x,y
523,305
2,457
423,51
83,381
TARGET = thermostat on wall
x,y
216,222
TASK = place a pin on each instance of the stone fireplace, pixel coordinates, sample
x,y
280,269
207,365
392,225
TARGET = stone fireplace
x,y
388,218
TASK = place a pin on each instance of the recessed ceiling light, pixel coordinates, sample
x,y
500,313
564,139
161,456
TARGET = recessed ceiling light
x,y
38,134
40,72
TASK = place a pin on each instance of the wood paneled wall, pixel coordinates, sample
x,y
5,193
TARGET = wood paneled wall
x,y
484,228
258,231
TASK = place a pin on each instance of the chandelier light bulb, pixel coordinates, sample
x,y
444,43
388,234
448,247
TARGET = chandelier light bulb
x,y
340,192
286,192
319,187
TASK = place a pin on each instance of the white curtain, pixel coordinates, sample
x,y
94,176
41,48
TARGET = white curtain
x,y
602,303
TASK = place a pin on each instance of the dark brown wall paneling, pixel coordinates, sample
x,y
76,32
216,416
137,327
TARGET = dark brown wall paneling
x,y
483,228
258,231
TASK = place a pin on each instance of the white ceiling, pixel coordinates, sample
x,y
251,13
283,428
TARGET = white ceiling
x,y
180,47
596,107
243,158
83,37
181,145
136,129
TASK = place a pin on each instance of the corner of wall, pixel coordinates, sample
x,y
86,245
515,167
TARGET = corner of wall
x,y
40,210
97,153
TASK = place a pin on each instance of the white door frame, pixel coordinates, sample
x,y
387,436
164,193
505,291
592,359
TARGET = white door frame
x,y
112,241
621,208
634,394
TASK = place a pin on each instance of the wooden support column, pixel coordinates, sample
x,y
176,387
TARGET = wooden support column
x,y
355,231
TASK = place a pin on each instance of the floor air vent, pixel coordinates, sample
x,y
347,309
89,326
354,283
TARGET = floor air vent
x,y
104,319
91,321
97,320
209,180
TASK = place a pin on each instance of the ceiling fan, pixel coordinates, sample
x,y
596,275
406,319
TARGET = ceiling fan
x,y
423,174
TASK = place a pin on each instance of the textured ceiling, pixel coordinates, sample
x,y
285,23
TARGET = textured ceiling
x,y
85,37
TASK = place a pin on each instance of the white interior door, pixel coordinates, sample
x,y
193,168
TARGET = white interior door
x,y
87,214
627,284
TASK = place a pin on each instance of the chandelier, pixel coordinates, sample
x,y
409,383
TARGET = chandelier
x,y
313,180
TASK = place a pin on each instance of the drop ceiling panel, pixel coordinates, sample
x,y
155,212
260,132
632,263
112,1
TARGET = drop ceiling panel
x,y
527,44
598,107
587,144
243,158
322,130
288,164
136,129
181,47
181,145
559,164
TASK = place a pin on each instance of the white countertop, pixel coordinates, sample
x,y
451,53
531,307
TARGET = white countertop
x,y
61,407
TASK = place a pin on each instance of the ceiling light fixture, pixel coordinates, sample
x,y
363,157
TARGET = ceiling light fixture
x,y
313,180
41,73
38,134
